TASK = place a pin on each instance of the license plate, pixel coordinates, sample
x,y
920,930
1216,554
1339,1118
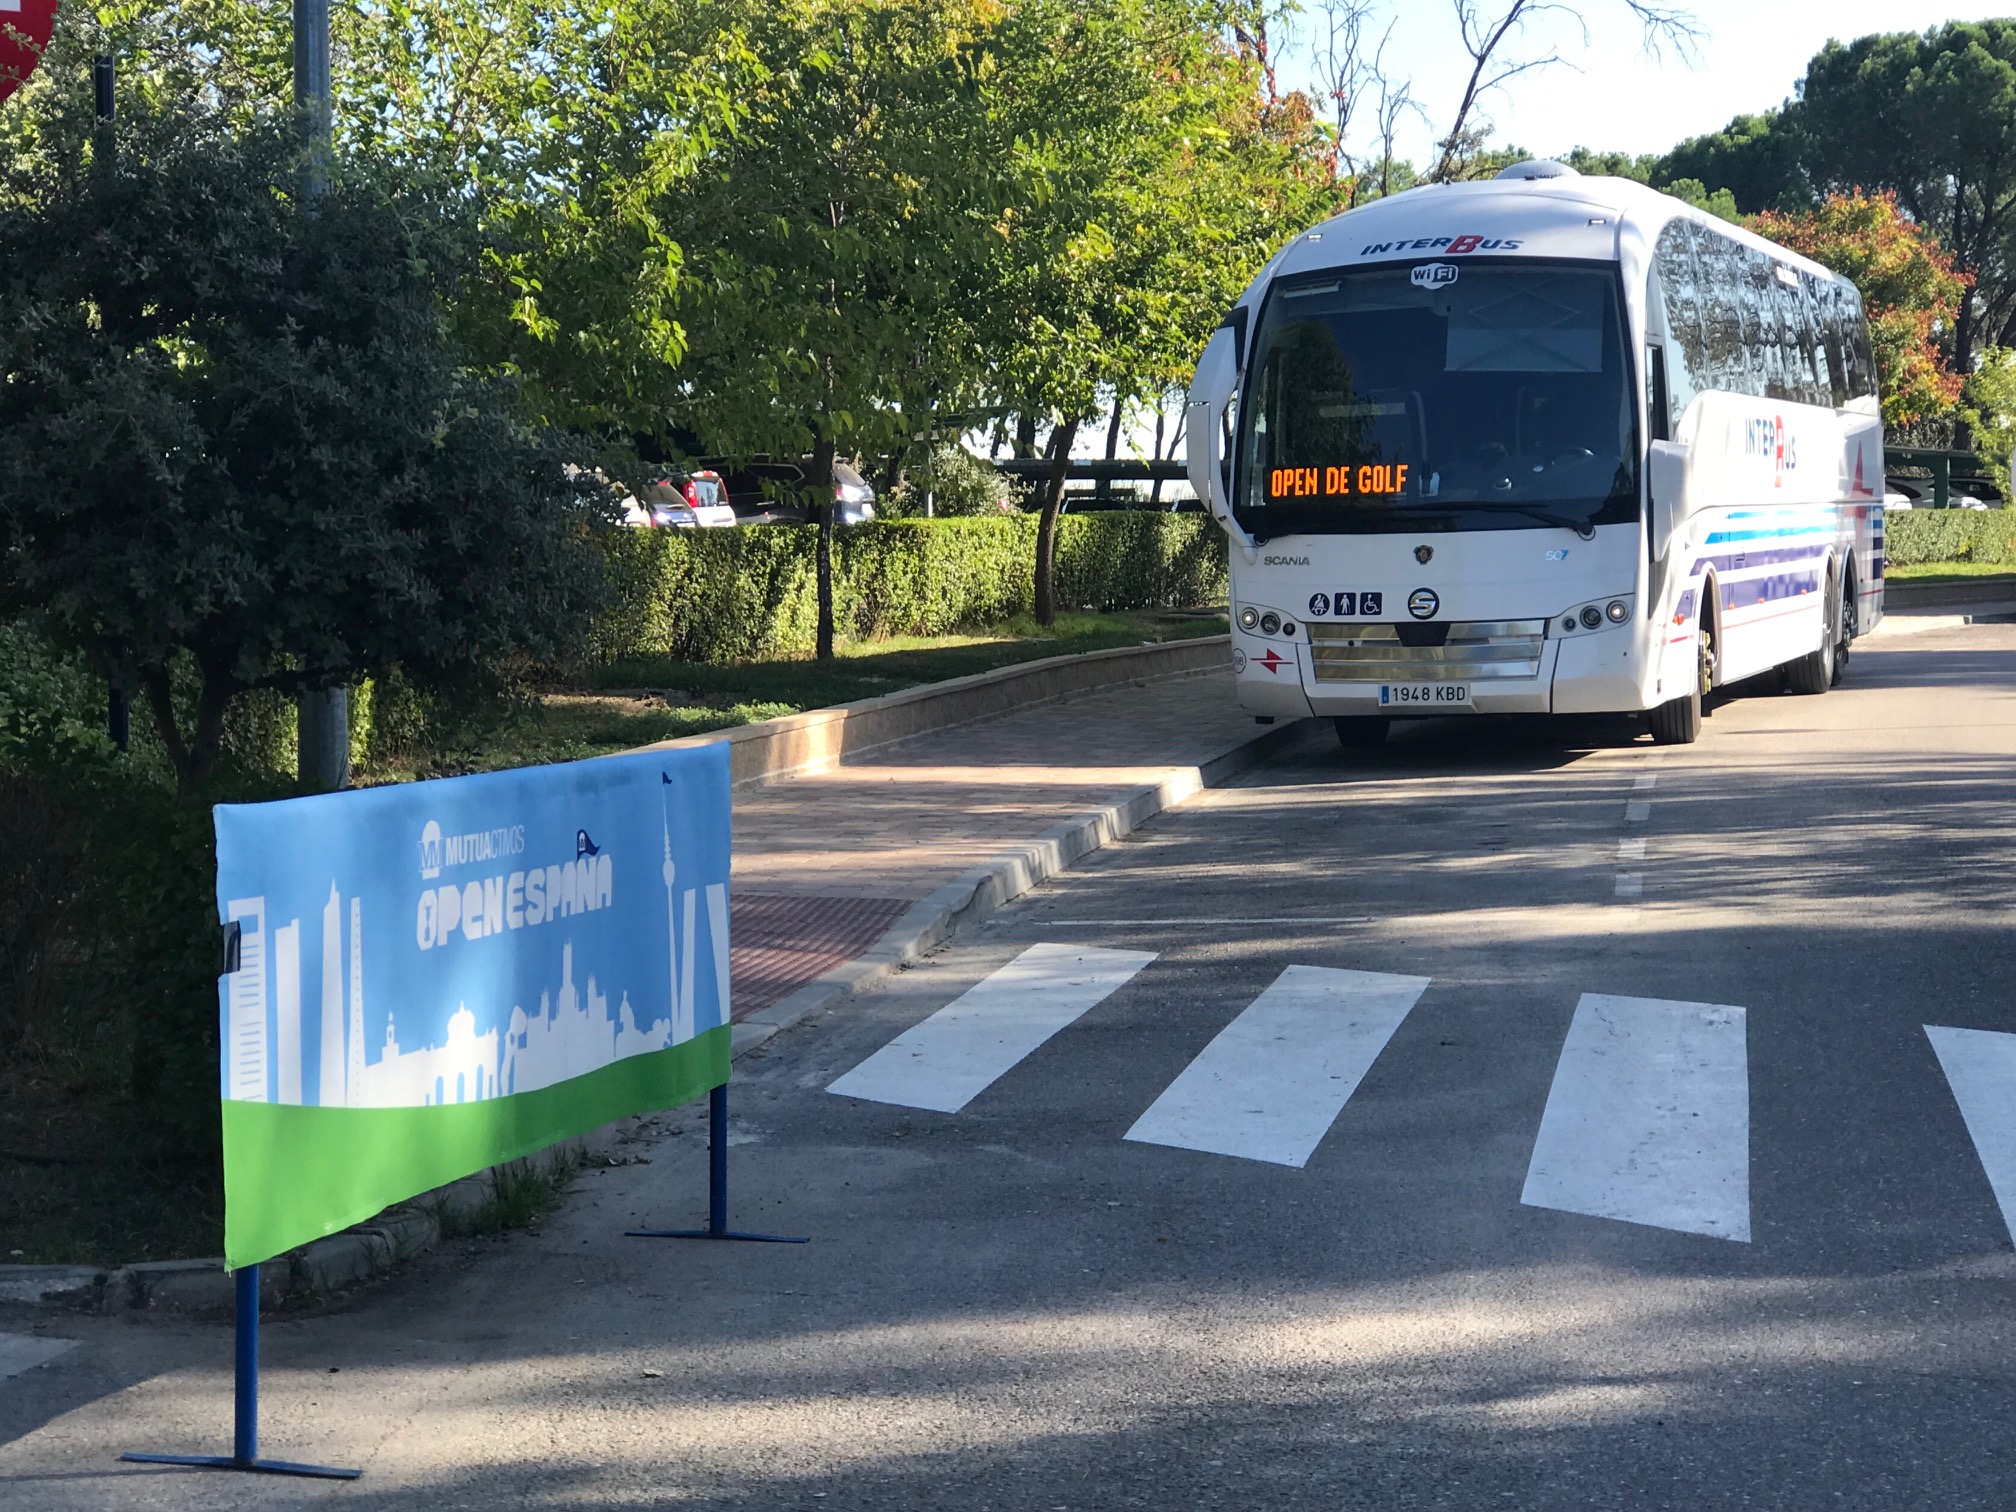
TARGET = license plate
x,y
1424,695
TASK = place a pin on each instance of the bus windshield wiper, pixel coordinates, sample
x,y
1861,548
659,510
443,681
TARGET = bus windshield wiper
x,y
1583,528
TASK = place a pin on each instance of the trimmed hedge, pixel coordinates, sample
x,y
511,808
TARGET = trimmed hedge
x,y
1911,536
724,595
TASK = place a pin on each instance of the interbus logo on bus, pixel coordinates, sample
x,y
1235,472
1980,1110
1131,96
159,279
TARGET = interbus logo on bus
x,y
1769,438
1453,245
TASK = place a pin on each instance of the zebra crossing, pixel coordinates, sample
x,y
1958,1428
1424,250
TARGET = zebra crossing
x,y
1646,1121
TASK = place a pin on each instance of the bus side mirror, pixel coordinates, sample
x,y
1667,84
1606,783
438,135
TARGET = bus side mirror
x,y
1666,477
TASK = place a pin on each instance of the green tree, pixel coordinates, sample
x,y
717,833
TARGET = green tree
x,y
1989,402
1613,164
560,119
1757,160
1910,291
253,452
1932,119
1719,202
1153,178
826,236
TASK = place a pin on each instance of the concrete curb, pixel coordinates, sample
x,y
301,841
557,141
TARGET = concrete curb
x,y
965,901
1945,595
764,752
820,739
204,1288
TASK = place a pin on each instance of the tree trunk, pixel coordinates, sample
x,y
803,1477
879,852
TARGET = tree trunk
x,y
822,481
1061,438
1161,419
1025,435
194,755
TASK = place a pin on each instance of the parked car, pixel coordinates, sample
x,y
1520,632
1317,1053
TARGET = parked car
x,y
772,493
1918,494
681,501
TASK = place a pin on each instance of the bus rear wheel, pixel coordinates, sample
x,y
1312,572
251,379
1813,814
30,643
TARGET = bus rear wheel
x,y
1361,731
1815,671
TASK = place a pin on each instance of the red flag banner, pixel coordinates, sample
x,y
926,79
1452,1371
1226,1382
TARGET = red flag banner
x,y
24,31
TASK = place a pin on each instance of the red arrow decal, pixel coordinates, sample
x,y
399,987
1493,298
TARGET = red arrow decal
x,y
1273,661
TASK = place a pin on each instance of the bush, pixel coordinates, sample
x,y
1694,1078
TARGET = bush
x,y
727,595
1913,536
959,484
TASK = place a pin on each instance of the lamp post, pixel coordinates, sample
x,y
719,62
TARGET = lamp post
x,y
322,717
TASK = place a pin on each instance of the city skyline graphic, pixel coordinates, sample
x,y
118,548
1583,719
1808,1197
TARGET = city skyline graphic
x,y
492,1044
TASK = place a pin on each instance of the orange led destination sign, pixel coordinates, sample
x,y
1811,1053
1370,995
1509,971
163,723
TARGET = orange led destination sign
x,y
1370,480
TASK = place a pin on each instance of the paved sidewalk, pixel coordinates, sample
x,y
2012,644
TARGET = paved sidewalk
x,y
826,863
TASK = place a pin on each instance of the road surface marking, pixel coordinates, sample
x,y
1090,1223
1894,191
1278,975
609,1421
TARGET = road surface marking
x,y
1648,1119
1630,850
1980,1067
1644,782
1186,923
23,1352
1637,812
953,1056
1276,1077
1630,885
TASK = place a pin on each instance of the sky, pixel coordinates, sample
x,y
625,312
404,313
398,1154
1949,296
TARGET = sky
x,y
1608,94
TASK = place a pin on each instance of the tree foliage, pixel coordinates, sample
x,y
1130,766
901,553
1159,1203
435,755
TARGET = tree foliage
x,y
253,451
1152,177
1931,118
1910,292
1756,160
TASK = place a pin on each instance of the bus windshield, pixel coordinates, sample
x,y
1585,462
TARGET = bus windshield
x,y
1477,396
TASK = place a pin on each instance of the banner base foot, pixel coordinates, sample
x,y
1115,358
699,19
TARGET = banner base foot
x,y
253,1467
712,1234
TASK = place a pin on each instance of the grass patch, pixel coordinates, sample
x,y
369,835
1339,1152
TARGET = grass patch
x,y
635,703
1949,572
521,1193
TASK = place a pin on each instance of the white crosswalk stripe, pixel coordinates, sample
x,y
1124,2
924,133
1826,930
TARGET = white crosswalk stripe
x,y
953,1056
1646,1121
1980,1067
1648,1118
1275,1079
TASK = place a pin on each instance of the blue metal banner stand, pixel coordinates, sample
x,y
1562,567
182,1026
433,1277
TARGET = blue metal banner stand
x,y
244,1453
717,1185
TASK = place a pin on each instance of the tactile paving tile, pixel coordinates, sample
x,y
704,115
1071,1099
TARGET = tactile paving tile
x,y
779,942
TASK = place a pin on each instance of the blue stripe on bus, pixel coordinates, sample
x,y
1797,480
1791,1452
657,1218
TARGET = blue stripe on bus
x,y
1747,595
1742,559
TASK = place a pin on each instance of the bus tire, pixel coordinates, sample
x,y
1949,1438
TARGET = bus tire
x,y
1678,720
1358,732
1846,638
1816,671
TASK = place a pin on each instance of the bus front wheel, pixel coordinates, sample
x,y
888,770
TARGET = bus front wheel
x,y
1678,720
1358,732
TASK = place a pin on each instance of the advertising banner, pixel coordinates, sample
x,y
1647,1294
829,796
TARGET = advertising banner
x,y
438,976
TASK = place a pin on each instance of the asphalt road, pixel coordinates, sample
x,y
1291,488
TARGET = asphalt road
x,y
1648,1188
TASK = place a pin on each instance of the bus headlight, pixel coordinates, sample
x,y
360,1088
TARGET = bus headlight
x,y
1270,622
1591,617
1618,610
1248,618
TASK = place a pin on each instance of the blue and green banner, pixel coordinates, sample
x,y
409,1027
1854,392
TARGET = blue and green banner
x,y
438,976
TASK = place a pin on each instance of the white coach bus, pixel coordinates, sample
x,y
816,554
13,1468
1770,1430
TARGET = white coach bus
x,y
1542,444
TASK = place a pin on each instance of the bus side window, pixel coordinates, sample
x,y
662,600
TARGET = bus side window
x,y
1796,310
1679,278
1862,362
1723,313
1760,289
1828,306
